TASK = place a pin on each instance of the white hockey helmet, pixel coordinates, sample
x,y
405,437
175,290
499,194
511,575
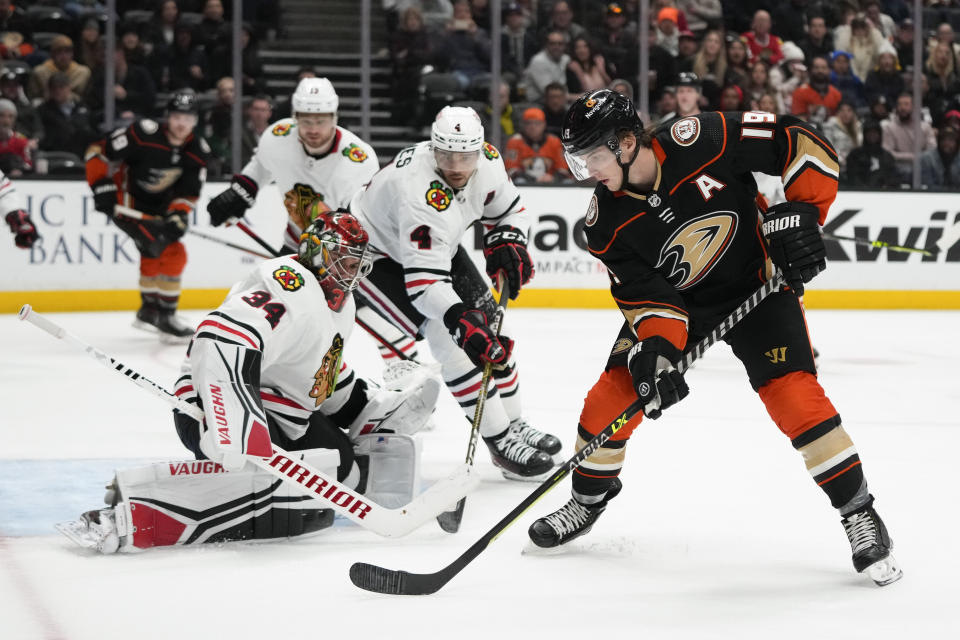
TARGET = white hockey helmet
x,y
457,129
315,95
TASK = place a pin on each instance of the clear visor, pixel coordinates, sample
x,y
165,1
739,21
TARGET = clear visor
x,y
587,163
456,161
347,265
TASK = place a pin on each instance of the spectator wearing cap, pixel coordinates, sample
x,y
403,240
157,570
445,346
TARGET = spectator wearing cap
x,y
518,45
90,50
863,41
668,30
880,108
940,167
943,81
710,65
66,122
787,76
548,65
687,49
903,43
898,135
760,42
554,106
533,155
701,14
561,19
587,70
619,44
15,148
952,119
28,121
818,41
870,165
688,94
843,130
666,106
16,36
886,80
843,78
817,99
61,60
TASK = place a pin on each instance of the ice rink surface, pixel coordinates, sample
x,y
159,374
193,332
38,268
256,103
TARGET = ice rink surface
x,y
718,533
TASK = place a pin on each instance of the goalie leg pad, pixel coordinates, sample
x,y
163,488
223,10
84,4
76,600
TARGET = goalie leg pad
x,y
393,476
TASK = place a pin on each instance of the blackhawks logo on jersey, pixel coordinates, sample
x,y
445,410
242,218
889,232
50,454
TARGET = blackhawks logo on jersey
x,y
355,153
289,279
490,151
325,379
281,129
303,204
439,196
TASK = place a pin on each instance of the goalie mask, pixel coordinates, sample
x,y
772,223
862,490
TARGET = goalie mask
x,y
334,248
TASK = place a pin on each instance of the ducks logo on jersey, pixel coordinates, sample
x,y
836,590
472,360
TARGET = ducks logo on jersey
x,y
490,151
439,196
355,153
289,279
697,247
281,129
325,379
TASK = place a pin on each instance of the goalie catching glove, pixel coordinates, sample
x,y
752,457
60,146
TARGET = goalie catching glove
x,y
505,249
472,334
230,205
653,367
792,231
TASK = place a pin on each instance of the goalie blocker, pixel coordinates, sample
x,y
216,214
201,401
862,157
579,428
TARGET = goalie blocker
x,y
199,501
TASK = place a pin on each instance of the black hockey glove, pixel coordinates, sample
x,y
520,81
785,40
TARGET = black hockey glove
x,y
105,196
470,331
652,364
792,230
505,249
231,204
24,231
174,225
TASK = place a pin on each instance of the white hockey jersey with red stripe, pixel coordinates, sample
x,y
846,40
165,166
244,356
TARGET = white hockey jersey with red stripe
x,y
10,199
279,316
301,177
415,218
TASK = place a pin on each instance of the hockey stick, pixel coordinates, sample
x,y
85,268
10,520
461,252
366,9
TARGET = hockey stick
x,y
449,521
289,467
129,212
256,238
380,580
880,244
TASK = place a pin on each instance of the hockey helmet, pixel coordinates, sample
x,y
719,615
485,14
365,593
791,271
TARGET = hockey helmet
x,y
457,129
315,95
594,121
184,101
334,248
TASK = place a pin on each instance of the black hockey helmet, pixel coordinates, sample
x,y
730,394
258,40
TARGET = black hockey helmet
x,y
595,119
184,101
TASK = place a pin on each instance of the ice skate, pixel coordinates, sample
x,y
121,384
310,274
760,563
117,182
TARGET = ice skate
x,y
172,329
545,442
570,521
517,459
95,530
871,545
147,318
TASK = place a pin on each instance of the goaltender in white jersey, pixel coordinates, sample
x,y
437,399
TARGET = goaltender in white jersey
x,y
267,367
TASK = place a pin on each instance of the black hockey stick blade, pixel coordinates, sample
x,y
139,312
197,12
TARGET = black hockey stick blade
x,y
380,580
449,521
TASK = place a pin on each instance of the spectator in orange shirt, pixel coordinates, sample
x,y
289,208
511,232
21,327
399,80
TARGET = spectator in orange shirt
x,y
817,99
762,44
533,155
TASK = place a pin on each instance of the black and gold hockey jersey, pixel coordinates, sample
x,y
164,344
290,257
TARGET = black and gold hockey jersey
x,y
683,255
152,173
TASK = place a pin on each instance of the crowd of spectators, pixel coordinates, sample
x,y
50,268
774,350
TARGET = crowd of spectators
x,y
53,71
846,65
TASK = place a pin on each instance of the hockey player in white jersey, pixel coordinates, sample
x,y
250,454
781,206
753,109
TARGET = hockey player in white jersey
x,y
267,366
309,157
417,209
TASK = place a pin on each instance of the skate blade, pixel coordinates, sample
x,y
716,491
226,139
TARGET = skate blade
x,y
509,475
884,572
144,326
531,549
79,532
166,338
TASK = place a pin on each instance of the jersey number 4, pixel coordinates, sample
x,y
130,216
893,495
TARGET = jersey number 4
x,y
421,235
273,310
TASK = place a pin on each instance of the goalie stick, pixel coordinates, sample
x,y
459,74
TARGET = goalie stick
x,y
398,582
449,521
289,467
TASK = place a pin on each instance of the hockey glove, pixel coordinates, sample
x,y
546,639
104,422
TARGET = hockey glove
x,y
505,249
792,231
105,196
230,205
652,364
24,231
472,334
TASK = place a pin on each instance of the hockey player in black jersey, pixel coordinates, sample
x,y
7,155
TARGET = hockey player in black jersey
x,y
676,220
156,169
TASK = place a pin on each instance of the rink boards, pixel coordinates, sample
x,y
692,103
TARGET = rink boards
x,y
84,263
